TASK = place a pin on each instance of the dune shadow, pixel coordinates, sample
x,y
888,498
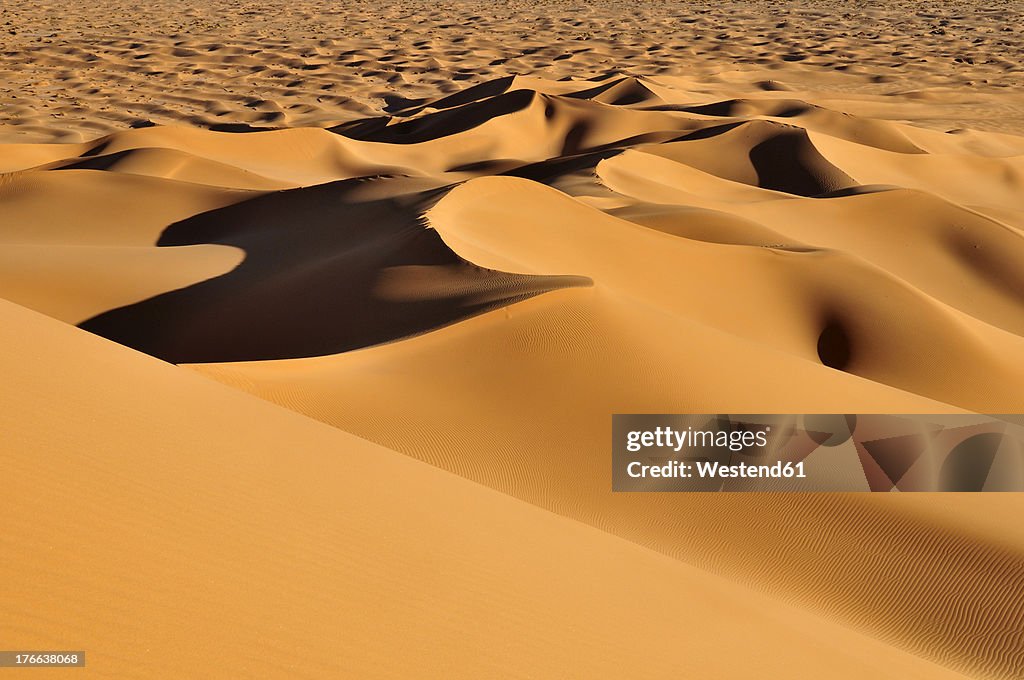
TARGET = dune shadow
x,y
327,269
621,92
787,161
835,346
438,124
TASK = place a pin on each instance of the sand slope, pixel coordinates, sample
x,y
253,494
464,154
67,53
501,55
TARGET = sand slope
x,y
171,526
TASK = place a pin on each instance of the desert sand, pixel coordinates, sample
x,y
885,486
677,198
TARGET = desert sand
x,y
315,317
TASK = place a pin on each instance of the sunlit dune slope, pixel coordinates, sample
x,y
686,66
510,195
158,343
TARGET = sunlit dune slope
x,y
171,526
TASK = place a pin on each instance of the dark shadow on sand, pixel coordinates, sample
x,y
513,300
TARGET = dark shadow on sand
x,y
327,269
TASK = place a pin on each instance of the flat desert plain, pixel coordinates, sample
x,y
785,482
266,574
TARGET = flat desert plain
x,y
314,316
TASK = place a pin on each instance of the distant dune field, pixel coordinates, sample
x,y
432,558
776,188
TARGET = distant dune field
x,y
315,316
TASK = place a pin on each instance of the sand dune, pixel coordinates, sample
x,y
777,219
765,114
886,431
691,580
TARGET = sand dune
x,y
470,249
712,258
780,193
537,440
221,535
357,273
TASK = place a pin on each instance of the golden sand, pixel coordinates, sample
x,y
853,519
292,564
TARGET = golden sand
x,y
443,243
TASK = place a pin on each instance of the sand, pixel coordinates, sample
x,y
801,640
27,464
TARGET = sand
x,y
99,67
357,291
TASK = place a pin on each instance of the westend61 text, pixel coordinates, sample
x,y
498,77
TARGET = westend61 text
x,y
704,469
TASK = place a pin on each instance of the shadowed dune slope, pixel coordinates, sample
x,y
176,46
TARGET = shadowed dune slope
x,y
324,272
779,157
